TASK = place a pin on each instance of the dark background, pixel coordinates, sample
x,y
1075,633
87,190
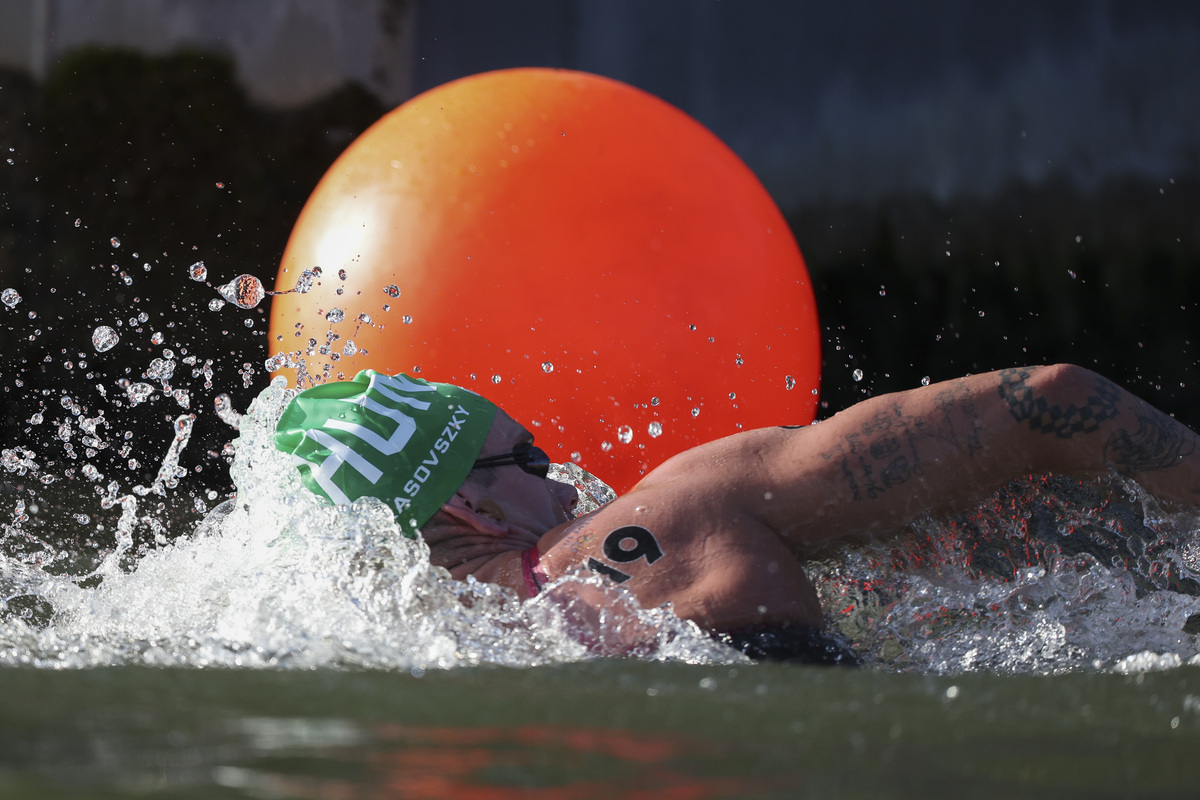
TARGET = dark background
x,y
973,186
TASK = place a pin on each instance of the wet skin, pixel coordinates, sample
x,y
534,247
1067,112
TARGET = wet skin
x,y
721,530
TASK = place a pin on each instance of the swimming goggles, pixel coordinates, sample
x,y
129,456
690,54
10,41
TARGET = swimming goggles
x,y
529,458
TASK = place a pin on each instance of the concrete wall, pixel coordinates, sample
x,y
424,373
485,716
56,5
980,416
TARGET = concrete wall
x,y
287,52
827,102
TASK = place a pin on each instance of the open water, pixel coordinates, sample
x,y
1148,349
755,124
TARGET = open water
x,y
163,640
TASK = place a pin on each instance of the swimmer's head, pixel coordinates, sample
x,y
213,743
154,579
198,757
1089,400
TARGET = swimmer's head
x,y
408,442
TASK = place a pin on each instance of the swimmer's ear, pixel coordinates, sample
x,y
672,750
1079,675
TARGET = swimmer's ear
x,y
482,517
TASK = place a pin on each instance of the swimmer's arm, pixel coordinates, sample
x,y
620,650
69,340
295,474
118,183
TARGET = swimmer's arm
x,y
891,459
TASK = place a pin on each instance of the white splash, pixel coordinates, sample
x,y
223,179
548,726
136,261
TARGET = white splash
x,y
279,578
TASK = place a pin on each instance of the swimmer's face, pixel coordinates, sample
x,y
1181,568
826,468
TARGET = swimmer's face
x,y
528,502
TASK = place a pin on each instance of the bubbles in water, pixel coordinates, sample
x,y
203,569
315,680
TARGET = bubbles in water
x,y
392,290
198,271
654,429
335,315
10,298
244,291
789,382
547,366
857,375
625,434
115,242
104,338
216,304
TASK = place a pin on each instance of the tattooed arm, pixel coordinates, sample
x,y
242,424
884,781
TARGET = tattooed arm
x,y
888,460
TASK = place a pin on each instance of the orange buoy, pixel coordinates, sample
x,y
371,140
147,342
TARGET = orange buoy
x,y
584,254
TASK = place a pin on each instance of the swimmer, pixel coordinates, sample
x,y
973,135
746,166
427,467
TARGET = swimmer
x,y
721,531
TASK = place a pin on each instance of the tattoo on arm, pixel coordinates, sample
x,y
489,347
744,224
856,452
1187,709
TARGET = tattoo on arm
x,y
1026,406
885,450
1156,444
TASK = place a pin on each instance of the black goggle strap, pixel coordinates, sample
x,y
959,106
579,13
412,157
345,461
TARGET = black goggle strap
x,y
523,455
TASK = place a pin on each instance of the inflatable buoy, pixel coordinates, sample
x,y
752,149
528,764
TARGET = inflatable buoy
x,y
582,253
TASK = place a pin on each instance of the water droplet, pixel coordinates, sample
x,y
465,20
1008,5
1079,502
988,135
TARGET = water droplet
x,y
365,319
216,304
198,271
496,379
304,282
392,290
738,359
654,401
576,455
654,429
335,315
606,446
733,395
547,366
406,319
350,348
857,375
115,242
78,222
156,338
925,381
695,412
625,434
104,338
342,274
138,392
248,322
789,382
244,291
160,369
10,297
981,313
275,362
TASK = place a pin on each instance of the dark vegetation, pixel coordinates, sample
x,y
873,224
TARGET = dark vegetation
x,y
169,157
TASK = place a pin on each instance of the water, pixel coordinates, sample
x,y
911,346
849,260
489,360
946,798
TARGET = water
x,y
160,638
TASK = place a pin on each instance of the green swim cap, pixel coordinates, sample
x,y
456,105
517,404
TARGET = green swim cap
x,y
406,441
